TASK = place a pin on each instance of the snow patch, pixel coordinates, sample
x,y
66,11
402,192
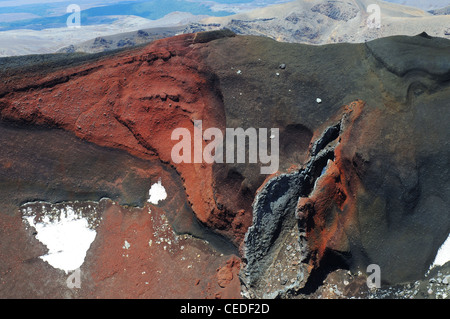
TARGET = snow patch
x,y
443,255
157,193
67,238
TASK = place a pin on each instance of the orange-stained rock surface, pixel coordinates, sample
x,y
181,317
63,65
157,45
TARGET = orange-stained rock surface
x,y
133,101
138,255
228,279
330,211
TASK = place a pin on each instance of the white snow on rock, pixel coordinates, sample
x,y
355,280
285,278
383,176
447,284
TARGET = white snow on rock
x,y
157,193
126,245
443,254
67,238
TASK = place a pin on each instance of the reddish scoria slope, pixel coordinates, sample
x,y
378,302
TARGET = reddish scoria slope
x,y
132,101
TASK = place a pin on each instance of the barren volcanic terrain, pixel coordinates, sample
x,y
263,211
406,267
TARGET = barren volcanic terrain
x,y
331,21
362,178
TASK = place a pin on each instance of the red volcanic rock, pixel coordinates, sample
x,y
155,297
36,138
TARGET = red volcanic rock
x,y
330,209
227,278
322,198
133,101
137,255
225,274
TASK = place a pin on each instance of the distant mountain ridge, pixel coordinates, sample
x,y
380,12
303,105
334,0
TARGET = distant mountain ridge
x,y
442,11
330,21
301,21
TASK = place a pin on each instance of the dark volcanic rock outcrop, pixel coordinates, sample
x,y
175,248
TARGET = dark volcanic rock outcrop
x,y
377,190
363,175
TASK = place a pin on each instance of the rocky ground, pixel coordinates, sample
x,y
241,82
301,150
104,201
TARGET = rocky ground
x,y
343,284
362,176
